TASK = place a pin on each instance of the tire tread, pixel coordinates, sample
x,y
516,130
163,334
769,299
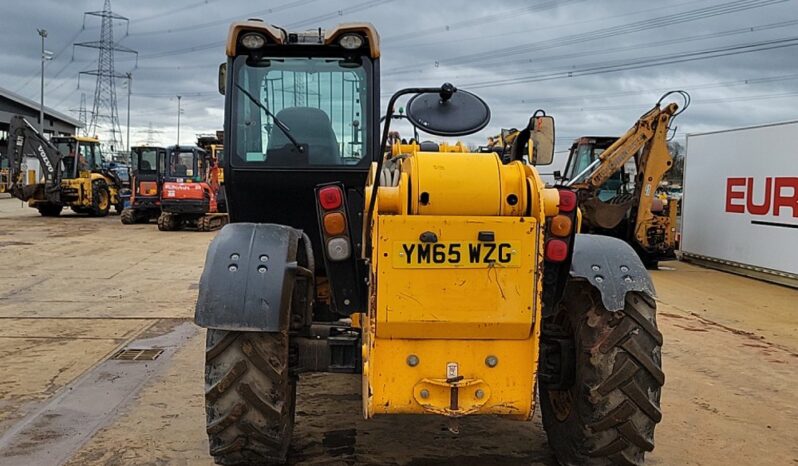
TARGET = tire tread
x,y
616,395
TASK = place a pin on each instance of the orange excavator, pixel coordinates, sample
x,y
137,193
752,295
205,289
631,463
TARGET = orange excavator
x,y
190,192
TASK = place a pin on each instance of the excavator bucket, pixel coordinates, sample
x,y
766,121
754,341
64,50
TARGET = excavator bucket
x,y
608,214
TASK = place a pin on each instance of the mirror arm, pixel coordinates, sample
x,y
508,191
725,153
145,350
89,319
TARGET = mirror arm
x,y
375,185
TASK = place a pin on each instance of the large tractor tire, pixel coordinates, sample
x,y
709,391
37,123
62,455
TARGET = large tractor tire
x,y
100,199
608,414
167,222
249,397
49,210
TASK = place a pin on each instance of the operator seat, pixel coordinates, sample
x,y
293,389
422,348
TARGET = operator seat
x,y
309,126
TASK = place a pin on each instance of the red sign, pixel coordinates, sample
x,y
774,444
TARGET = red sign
x,y
780,193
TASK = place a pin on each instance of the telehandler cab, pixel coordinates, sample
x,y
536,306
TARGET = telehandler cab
x,y
148,167
453,283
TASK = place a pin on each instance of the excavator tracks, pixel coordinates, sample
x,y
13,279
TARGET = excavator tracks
x,y
211,222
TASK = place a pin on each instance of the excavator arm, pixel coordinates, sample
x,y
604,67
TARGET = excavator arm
x,y
650,126
646,140
654,161
24,141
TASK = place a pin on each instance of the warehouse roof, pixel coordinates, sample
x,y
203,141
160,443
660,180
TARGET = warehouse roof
x,y
35,105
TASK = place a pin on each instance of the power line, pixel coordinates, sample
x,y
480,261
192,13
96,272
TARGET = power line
x,y
690,87
678,40
485,58
480,20
194,27
718,100
306,22
84,28
180,9
643,62
104,111
525,31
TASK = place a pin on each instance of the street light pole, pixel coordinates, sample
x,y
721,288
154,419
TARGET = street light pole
x,y
129,90
178,119
43,34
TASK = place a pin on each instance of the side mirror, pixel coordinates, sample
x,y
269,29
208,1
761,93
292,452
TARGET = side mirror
x,y
448,112
222,77
541,140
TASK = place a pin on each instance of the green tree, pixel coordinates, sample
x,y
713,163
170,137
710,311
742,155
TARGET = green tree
x,y
676,174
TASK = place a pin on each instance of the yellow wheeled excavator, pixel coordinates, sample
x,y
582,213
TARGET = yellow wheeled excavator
x,y
451,283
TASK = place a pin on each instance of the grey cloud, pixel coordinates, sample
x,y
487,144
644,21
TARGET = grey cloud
x,y
419,33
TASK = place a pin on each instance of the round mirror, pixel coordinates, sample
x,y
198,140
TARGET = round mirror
x,y
460,114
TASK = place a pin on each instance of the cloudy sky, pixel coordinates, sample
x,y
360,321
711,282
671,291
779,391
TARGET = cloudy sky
x,y
595,65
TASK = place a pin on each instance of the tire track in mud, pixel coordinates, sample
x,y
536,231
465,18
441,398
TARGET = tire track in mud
x,y
760,340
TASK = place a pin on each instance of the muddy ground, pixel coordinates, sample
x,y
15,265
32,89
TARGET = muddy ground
x,y
74,291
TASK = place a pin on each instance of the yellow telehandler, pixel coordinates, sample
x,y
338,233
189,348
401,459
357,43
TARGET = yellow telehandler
x,y
454,283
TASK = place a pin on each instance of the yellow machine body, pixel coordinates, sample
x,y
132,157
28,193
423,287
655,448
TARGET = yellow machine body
x,y
79,189
217,153
82,189
4,179
454,321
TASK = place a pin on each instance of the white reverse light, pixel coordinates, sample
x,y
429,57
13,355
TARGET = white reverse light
x,y
338,249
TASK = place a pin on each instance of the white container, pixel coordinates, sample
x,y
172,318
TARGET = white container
x,y
740,205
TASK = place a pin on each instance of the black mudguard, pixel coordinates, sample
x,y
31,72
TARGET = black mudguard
x,y
248,278
612,267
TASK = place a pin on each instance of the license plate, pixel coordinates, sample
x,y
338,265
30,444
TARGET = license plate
x,y
457,254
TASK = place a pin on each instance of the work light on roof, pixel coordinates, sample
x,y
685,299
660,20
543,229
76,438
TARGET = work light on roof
x,y
351,41
253,40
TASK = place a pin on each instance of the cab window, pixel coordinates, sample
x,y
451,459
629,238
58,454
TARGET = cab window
x,y
322,102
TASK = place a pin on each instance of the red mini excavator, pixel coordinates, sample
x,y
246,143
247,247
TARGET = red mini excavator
x,y
190,193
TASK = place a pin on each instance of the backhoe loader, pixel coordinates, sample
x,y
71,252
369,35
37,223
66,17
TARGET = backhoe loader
x,y
452,283
617,180
65,171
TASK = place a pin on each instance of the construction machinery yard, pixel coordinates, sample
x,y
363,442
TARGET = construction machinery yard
x,y
730,355
340,275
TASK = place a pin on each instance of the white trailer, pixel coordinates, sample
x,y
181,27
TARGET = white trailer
x,y
740,205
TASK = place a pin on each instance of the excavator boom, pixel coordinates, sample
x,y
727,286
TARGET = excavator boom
x,y
634,215
25,142
626,147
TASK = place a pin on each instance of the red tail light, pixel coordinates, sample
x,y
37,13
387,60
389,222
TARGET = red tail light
x,y
567,200
330,197
556,250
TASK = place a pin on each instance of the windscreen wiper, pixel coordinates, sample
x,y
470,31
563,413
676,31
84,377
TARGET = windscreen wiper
x,y
285,129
